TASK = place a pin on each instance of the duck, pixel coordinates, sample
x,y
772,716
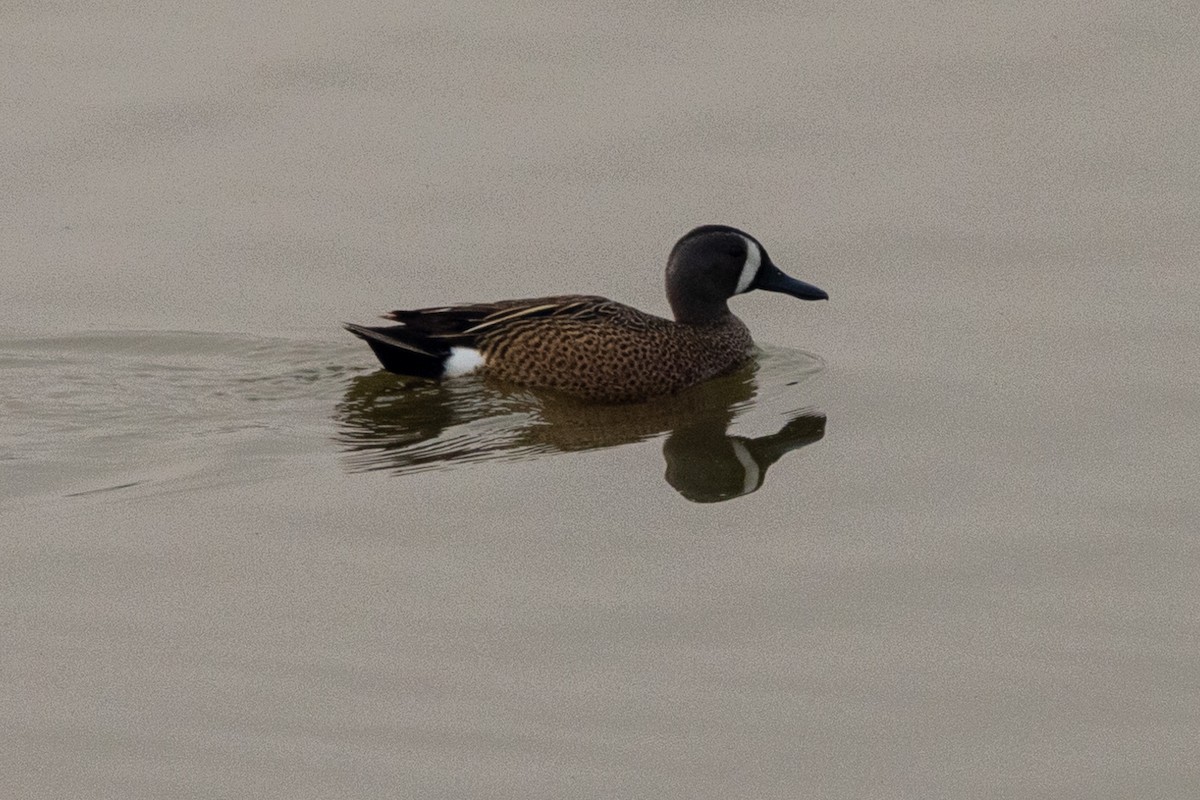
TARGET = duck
x,y
591,347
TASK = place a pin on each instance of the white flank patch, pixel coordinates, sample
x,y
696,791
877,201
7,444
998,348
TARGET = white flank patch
x,y
750,478
462,361
750,268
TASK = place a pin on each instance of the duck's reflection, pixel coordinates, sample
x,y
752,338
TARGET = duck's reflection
x,y
389,423
706,465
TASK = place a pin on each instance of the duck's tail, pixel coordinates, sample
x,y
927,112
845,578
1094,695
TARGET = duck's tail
x,y
397,351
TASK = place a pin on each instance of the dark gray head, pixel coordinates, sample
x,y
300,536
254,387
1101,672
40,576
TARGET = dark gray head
x,y
712,263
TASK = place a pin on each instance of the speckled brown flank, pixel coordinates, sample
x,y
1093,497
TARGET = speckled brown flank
x,y
606,351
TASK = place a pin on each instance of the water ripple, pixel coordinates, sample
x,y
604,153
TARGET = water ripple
x,y
84,411
89,414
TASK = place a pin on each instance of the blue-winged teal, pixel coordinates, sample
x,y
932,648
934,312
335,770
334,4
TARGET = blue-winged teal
x,y
593,347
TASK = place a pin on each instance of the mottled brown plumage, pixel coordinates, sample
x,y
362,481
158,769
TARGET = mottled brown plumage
x,y
592,347
589,346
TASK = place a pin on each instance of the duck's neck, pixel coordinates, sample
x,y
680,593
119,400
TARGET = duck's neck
x,y
694,310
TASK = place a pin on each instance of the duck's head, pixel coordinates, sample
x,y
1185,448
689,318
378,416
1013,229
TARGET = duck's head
x,y
712,263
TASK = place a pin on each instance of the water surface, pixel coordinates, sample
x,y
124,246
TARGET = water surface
x,y
938,540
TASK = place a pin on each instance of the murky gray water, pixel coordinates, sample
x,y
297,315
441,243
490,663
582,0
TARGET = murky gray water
x,y
938,540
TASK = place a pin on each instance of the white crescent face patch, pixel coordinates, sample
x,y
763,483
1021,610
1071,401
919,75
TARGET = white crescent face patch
x,y
750,268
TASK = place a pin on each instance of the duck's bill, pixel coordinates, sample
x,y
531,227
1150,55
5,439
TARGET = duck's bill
x,y
772,279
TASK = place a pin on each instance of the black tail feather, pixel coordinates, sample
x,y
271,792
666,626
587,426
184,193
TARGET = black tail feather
x,y
397,353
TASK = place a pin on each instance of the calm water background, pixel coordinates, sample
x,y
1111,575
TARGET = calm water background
x,y
230,570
